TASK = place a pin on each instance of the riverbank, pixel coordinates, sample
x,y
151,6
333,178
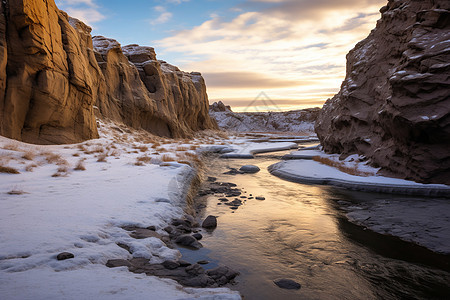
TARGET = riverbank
x,y
79,200
418,217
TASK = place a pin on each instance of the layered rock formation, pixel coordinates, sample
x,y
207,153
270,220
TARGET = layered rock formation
x,y
394,104
51,76
295,121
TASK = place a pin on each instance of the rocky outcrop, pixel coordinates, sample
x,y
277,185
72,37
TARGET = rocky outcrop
x,y
394,104
298,121
51,79
219,107
143,92
48,74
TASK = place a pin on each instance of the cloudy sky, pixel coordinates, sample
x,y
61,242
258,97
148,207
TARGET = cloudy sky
x,y
292,50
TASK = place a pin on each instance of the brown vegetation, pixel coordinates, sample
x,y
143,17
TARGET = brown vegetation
x,y
341,167
8,170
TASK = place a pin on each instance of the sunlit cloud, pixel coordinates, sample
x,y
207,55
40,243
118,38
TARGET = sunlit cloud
x,y
85,10
176,1
164,15
286,48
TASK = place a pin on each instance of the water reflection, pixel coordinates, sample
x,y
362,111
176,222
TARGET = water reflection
x,y
298,232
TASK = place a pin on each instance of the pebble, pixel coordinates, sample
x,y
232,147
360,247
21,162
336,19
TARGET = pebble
x,y
249,169
260,198
287,284
64,256
203,262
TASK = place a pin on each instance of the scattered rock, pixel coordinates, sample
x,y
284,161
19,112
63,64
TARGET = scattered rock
x,y
233,171
249,169
260,198
203,262
184,263
287,284
124,246
142,233
170,264
223,199
210,222
186,240
114,263
168,229
211,179
64,256
195,269
197,236
153,228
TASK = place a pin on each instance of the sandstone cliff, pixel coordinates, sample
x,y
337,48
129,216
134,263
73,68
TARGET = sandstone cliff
x,y
394,104
51,77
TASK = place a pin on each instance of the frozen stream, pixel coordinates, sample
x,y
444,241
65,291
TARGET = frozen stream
x,y
299,232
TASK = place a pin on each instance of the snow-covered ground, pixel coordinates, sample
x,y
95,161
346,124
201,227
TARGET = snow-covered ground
x,y
424,221
77,198
309,171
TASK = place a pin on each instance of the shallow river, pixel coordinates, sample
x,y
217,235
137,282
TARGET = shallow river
x,y
299,232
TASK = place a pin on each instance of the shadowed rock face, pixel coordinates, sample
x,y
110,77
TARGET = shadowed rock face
x,y
51,77
394,104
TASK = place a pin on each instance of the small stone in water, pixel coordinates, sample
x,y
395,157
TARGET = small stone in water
x,y
203,262
287,284
210,222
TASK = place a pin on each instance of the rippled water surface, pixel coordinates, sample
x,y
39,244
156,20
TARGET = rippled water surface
x,y
299,233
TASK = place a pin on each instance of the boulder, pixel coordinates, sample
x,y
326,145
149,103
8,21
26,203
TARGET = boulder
x,y
210,222
394,104
249,169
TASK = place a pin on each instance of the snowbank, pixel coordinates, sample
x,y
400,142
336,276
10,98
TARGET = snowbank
x,y
53,206
248,149
308,171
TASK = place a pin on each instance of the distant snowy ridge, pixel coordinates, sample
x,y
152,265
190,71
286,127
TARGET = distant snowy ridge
x,y
290,121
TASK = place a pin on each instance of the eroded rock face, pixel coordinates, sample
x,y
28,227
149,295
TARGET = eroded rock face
x,y
51,79
394,104
48,75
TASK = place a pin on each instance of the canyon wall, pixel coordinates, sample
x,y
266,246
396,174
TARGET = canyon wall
x,y
394,104
52,78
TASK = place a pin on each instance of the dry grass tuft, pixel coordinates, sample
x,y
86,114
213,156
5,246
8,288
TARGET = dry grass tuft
x,y
156,145
12,147
30,167
193,147
341,167
143,159
166,157
29,155
80,166
16,192
62,171
102,157
181,148
8,170
141,148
